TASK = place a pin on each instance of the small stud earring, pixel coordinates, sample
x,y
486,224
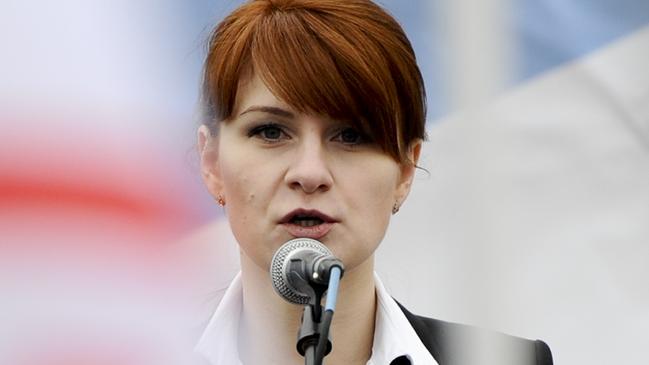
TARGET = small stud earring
x,y
220,201
395,208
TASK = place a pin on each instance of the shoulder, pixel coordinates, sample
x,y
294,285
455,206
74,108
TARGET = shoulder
x,y
453,343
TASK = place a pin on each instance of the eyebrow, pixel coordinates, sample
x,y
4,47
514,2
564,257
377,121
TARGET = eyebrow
x,y
269,109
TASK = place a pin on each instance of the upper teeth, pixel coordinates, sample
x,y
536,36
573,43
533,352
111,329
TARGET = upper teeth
x,y
309,222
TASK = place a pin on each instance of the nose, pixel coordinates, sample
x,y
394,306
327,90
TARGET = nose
x,y
309,171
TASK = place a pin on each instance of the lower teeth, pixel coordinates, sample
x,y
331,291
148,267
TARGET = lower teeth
x,y
309,223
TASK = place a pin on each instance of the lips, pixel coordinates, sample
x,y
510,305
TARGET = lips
x,y
307,223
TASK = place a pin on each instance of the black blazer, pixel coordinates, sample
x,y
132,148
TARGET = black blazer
x,y
457,344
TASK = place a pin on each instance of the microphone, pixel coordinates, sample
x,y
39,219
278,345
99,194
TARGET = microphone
x,y
300,267
302,270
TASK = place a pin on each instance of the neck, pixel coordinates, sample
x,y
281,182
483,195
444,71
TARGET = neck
x,y
268,330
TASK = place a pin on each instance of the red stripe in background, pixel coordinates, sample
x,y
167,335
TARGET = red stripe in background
x,y
15,191
47,160
88,205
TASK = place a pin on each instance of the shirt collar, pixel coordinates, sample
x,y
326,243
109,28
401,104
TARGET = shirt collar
x,y
219,342
393,334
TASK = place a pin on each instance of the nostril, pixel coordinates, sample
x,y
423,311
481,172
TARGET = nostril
x,y
310,187
310,171
310,181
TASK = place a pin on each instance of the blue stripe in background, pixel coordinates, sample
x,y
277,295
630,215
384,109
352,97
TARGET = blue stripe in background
x,y
552,32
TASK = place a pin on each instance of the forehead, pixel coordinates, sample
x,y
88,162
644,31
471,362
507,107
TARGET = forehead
x,y
253,91
254,94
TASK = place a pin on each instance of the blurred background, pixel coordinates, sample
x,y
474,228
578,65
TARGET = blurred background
x,y
533,219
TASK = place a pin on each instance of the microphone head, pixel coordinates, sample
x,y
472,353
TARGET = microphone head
x,y
279,267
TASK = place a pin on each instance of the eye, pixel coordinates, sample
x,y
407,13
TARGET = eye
x,y
350,136
268,132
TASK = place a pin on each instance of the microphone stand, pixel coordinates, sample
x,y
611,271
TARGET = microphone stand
x,y
309,337
313,337
309,334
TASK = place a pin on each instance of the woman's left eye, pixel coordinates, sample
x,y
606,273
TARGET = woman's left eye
x,y
350,136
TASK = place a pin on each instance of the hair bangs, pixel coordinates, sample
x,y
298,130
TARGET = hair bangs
x,y
346,60
314,68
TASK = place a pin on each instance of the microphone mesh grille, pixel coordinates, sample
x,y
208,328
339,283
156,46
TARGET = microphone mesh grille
x,y
280,261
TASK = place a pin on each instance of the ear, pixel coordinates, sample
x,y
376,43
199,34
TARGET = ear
x,y
208,150
408,169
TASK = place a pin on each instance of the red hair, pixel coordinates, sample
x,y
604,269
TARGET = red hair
x,y
348,60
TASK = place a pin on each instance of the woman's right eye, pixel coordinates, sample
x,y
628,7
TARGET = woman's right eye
x,y
268,132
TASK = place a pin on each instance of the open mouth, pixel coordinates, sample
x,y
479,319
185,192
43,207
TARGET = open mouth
x,y
306,220
308,223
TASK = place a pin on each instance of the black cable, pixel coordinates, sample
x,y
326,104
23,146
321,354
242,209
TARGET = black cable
x,y
324,335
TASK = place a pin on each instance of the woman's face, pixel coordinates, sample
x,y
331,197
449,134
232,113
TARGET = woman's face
x,y
285,175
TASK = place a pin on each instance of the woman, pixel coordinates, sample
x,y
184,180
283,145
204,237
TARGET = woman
x,y
315,120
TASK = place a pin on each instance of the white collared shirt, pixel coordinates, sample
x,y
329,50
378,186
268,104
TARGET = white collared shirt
x,y
393,335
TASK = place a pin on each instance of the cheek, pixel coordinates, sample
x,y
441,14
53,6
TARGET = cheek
x,y
241,207
375,205
249,187
369,195
372,188
238,170
240,191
